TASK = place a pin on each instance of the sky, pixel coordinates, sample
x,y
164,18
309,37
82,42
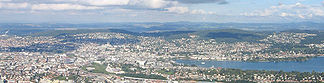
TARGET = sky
x,y
220,11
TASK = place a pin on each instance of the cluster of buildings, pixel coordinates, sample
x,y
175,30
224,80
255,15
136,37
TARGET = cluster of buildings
x,y
287,37
147,57
194,48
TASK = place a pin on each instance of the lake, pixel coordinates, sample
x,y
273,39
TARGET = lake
x,y
316,64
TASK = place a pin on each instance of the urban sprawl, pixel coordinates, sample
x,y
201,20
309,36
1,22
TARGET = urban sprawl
x,y
111,57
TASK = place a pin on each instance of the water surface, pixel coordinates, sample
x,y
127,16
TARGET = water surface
x,y
316,64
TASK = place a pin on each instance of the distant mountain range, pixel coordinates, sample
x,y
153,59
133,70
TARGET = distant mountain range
x,y
169,26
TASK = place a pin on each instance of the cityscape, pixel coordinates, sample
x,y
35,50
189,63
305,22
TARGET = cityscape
x,y
161,41
113,55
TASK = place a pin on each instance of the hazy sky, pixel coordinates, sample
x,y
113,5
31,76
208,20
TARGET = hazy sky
x,y
91,11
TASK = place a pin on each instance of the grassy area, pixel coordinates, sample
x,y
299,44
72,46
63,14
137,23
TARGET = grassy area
x,y
99,68
71,55
164,71
73,77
